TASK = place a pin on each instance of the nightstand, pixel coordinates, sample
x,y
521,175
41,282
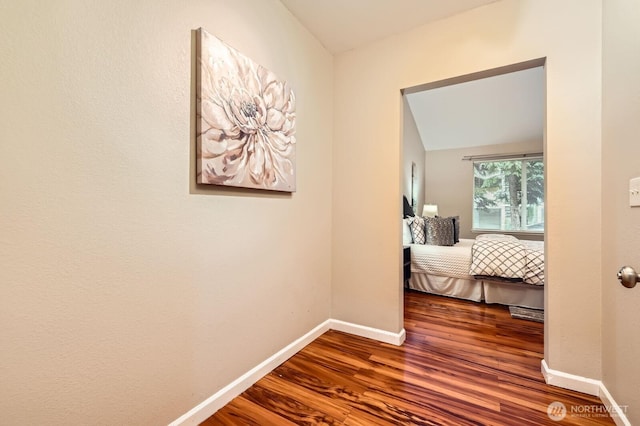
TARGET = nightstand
x,y
406,264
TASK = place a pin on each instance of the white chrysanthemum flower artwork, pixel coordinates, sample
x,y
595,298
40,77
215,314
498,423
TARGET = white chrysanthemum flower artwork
x,y
245,121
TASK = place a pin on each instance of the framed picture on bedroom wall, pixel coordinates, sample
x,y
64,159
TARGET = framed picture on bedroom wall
x,y
414,186
245,121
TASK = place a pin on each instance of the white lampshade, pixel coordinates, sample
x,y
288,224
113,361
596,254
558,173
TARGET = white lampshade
x,y
430,210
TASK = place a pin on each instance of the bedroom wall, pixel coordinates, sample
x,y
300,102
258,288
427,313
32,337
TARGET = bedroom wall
x,y
620,223
449,180
128,295
367,120
412,152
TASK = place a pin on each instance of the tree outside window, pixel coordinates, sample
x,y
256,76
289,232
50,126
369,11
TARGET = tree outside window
x,y
508,195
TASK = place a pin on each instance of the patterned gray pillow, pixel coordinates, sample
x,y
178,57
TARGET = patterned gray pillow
x,y
456,228
417,230
439,231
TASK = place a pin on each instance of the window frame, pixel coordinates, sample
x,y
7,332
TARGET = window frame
x,y
523,189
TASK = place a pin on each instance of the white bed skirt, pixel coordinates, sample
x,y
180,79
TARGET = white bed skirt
x,y
447,286
515,294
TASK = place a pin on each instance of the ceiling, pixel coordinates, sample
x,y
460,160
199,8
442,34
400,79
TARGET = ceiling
x,y
341,25
502,109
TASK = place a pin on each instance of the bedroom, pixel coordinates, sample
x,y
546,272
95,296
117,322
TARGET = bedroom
x,y
472,146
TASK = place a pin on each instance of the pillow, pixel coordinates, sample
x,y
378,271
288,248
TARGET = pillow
x,y
495,237
406,232
439,231
417,229
456,228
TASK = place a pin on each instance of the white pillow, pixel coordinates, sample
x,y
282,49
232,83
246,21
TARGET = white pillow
x,y
406,232
496,237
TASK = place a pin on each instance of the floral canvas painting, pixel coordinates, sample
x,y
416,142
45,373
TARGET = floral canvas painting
x,y
245,121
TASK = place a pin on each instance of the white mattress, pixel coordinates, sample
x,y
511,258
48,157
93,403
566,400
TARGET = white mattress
x,y
444,261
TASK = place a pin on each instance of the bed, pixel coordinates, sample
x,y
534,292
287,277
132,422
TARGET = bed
x,y
482,269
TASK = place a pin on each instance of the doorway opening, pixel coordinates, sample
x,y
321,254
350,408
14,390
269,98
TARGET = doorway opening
x,y
476,143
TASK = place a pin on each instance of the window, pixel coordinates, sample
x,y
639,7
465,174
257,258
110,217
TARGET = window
x,y
508,195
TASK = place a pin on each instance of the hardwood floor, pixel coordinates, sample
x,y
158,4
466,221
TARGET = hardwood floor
x,y
463,363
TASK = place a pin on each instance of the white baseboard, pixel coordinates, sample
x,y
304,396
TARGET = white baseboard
x,y
588,386
371,333
618,414
570,381
209,406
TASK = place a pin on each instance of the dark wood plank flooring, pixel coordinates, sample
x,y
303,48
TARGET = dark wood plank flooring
x,y
463,363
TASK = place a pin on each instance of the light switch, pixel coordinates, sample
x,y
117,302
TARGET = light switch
x,y
634,192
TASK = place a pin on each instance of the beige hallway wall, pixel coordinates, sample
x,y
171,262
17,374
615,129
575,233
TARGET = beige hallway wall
x,y
127,296
367,163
